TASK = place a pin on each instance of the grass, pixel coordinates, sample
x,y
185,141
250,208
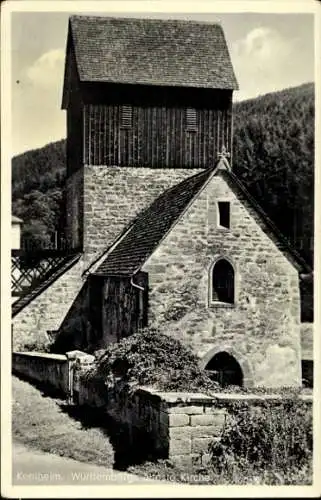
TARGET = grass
x,y
236,475
44,423
84,434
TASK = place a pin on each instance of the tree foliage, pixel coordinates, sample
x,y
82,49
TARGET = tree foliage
x,y
273,151
38,191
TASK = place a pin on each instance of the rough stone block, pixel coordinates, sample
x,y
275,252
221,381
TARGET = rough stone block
x,y
206,430
220,415
188,410
200,445
180,432
208,419
180,446
177,420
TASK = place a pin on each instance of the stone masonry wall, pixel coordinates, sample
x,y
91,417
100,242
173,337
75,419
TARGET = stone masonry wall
x,y
101,201
47,311
175,425
113,196
262,329
50,369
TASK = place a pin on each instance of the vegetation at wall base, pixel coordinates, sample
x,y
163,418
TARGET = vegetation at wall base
x,y
266,441
264,444
271,439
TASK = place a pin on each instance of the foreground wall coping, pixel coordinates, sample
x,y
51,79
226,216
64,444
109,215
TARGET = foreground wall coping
x,y
258,397
198,397
77,354
35,354
175,396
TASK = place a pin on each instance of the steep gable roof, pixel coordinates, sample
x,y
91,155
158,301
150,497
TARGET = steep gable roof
x,y
153,223
152,52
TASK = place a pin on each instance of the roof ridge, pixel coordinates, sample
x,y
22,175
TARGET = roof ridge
x,y
151,19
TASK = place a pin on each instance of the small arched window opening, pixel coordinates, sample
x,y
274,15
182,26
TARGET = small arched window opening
x,y
223,282
225,369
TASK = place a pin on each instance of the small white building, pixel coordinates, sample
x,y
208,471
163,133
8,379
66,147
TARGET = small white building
x,y
16,232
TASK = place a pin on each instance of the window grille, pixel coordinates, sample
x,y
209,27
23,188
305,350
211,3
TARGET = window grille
x,y
126,116
191,119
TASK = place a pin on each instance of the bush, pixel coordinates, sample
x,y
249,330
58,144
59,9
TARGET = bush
x,y
274,438
151,358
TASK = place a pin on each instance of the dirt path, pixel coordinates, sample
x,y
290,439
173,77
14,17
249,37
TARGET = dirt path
x,y
32,467
50,445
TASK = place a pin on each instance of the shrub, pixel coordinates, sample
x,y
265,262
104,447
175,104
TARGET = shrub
x,y
272,437
151,358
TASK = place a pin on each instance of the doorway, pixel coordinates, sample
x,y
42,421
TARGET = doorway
x,y
224,369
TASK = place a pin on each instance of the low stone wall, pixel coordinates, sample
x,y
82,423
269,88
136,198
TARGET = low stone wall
x,y
175,425
47,369
53,370
183,423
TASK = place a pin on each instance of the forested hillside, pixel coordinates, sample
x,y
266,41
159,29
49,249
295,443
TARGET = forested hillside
x,y
38,179
273,154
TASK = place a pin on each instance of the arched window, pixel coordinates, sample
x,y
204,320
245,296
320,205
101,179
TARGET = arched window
x,y
223,286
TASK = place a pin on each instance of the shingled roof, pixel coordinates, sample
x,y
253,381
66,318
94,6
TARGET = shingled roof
x,y
152,224
152,52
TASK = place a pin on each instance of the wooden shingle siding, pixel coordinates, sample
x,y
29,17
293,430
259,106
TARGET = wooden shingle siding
x,y
158,137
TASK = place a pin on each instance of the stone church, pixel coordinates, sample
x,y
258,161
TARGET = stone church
x,y
161,231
